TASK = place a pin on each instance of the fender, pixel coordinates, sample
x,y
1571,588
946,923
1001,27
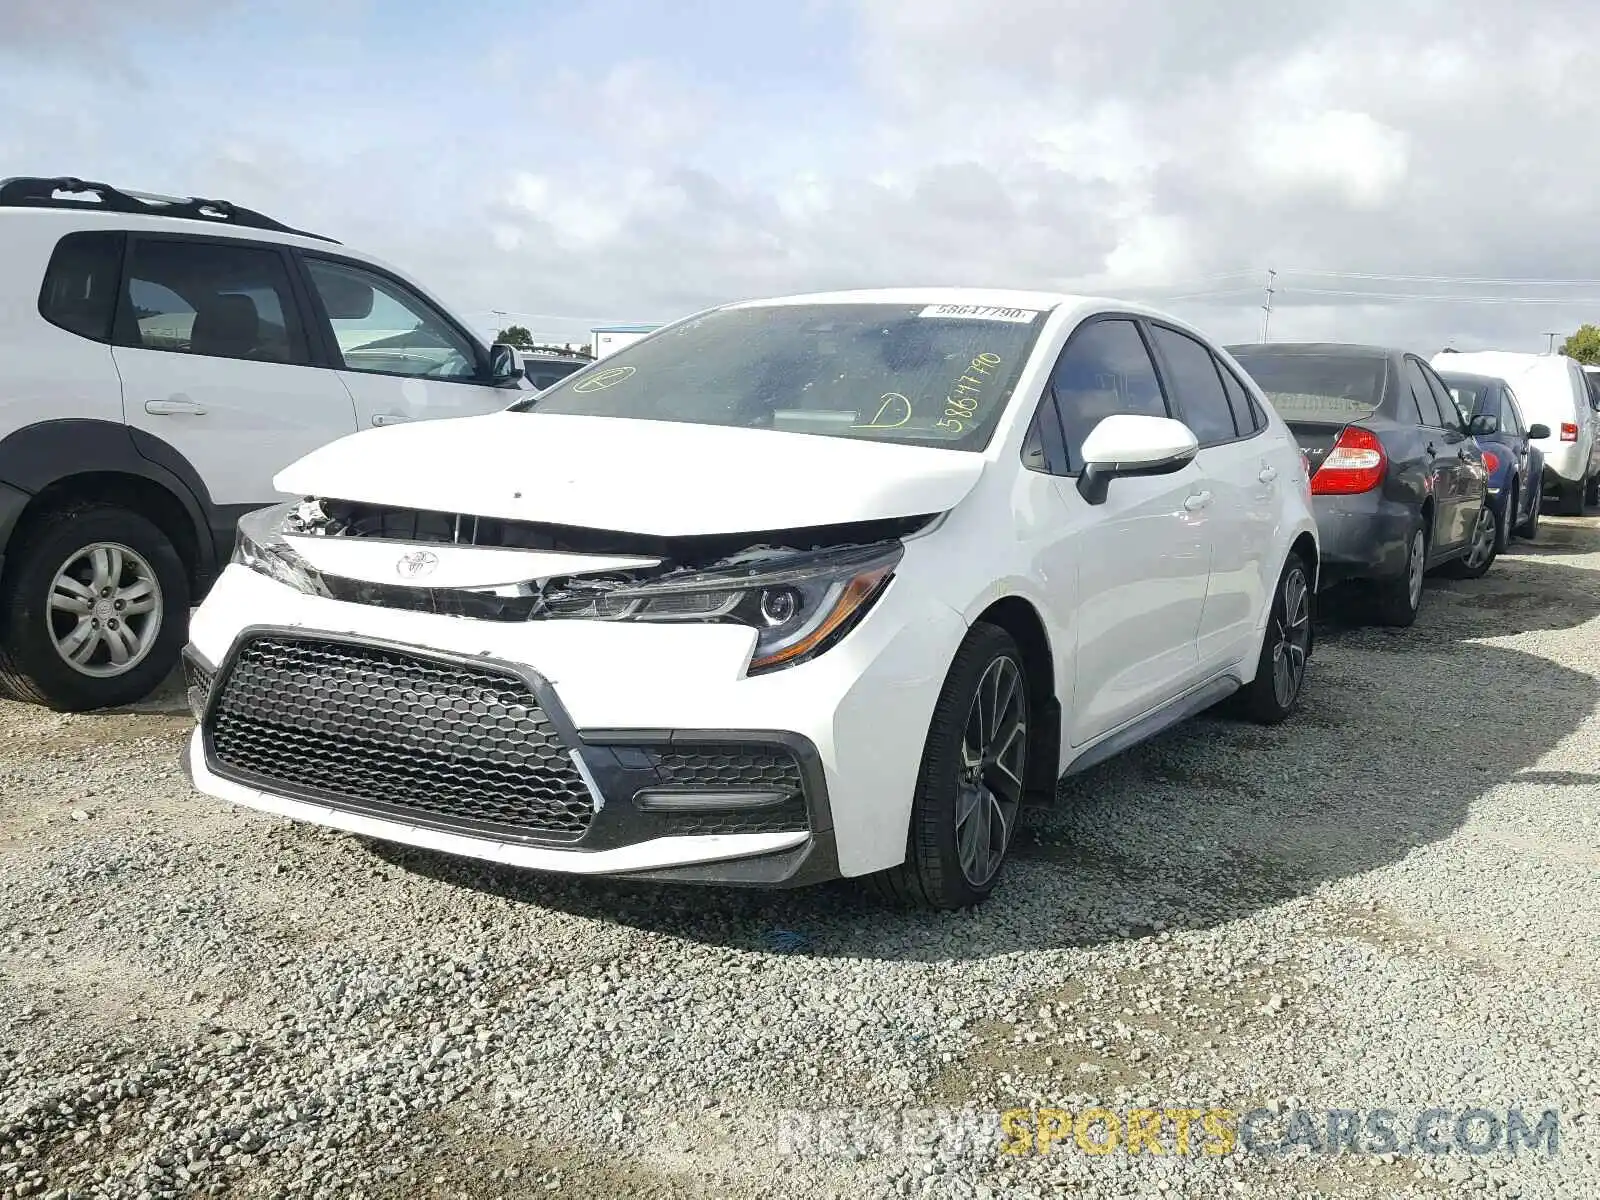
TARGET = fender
x,y
36,456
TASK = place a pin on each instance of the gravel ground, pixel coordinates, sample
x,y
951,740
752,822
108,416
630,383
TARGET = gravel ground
x,y
1392,902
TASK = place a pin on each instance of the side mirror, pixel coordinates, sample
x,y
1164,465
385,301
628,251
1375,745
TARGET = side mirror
x,y
505,364
1484,423
1538,433
1125,445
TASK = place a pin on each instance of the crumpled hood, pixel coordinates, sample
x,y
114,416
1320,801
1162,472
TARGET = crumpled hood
x,y
659,478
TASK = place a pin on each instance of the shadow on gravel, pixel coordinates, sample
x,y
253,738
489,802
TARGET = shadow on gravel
x,y
1401,731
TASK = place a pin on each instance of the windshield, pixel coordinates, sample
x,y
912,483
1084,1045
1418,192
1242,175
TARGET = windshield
x,y
1317,387
927,375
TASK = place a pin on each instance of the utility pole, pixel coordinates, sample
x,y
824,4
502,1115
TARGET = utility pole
x,y
1266,320
1551,348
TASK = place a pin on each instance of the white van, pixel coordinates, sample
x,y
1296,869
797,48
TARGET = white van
x,y
1553,390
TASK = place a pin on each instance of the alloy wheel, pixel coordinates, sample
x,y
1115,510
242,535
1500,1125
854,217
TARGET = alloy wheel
x,y
1483,538
105,610
1293,634
994,755
1416,569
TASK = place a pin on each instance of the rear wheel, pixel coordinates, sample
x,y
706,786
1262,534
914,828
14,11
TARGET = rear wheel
x,y
970,787
1591,490
1482,549
1529,528
1396,601
1281,671
95,610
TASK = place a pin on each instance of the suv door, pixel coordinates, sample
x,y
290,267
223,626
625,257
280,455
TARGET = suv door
x,y
1443,479
401,357
1243,486
210,341
1141,560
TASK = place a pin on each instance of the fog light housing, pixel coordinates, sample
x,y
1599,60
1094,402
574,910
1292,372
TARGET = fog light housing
x,y
198,676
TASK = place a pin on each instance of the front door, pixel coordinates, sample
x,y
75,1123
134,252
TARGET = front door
x,y
212,351
400,356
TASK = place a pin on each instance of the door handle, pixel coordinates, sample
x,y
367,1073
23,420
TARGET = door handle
x,y
389,418
1268,474
1197,501
177,406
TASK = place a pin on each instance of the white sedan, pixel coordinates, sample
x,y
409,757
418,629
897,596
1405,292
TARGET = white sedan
x,y
792,589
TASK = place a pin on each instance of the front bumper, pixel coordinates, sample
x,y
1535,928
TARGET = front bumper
x,y
1362,537
834,744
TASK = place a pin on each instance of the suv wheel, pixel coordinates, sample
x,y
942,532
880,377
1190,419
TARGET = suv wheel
x,y
970,788
95,609
1569,498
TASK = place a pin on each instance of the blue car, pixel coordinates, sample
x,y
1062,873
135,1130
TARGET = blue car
x,y
1495,420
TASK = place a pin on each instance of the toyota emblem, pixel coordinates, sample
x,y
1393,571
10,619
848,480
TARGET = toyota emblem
x,y
416,564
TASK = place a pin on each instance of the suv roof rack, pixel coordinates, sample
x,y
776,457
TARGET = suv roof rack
x,y
30,192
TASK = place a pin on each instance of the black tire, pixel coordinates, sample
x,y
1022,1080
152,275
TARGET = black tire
x,y
1505,518
32,668
1591,490
1529,528
1484,544
1569,498
1275,691
1396,602
932,875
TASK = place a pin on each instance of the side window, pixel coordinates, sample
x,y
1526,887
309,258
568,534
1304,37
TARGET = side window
x,y
1427,406
380,327
1104,370
1045,449
211,299
1192,374
79,293
1246,416
1511,414
1448,408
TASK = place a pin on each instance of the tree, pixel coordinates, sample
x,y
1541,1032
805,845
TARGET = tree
x,y
515,335
1583,345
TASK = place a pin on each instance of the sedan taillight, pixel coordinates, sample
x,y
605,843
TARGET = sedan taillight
x,y
1356,464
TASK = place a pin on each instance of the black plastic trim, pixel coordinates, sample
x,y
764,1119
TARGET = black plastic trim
x,y
617,775
12,502
24,191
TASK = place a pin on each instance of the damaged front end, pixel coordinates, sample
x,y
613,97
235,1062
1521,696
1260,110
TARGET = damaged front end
x,y
801,590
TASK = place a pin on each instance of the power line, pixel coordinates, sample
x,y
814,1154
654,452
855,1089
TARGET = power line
x,y
1442,298
1487,281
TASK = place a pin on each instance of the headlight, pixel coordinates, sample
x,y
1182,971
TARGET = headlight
x,y
261,547
799,604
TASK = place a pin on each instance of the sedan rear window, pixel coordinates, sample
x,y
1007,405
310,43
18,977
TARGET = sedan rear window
x,y
928,375
1317,387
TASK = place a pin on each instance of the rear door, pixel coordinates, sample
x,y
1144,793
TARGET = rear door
x,y
1242,487
1444,480
1461,456
210,341
401,356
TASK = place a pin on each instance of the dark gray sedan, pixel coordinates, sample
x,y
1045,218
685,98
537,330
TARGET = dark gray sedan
x,y
1398,484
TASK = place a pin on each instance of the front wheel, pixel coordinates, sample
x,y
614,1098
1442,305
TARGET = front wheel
x,y
970,787
1482,549
1281,671
95,608
1397,601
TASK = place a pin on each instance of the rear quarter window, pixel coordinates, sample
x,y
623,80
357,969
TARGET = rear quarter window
x,y
81,282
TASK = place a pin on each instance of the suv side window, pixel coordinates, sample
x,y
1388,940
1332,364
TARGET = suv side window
x,y
1104,370
79,292
1192,375
212,299
1427,406
380,327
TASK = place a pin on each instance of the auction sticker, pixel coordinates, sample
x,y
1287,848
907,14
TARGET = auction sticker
x,y
605,379
979,312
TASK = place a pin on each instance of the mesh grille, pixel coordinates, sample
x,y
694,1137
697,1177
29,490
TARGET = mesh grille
x,y
752,768
446,743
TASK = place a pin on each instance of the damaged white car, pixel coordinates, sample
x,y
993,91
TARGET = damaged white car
x,y
789,590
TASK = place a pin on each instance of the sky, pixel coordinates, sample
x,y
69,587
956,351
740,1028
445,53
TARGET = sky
x,y
1414,175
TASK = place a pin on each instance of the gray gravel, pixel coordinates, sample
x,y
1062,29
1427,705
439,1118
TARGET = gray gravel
x,y
1391,902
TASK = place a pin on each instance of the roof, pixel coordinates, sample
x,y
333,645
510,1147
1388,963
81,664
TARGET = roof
x,y
1341,349
1472,378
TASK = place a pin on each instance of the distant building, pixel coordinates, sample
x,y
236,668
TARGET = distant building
x,y
614,337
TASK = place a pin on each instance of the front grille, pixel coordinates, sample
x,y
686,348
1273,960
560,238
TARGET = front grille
x,y
735,768
455,745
